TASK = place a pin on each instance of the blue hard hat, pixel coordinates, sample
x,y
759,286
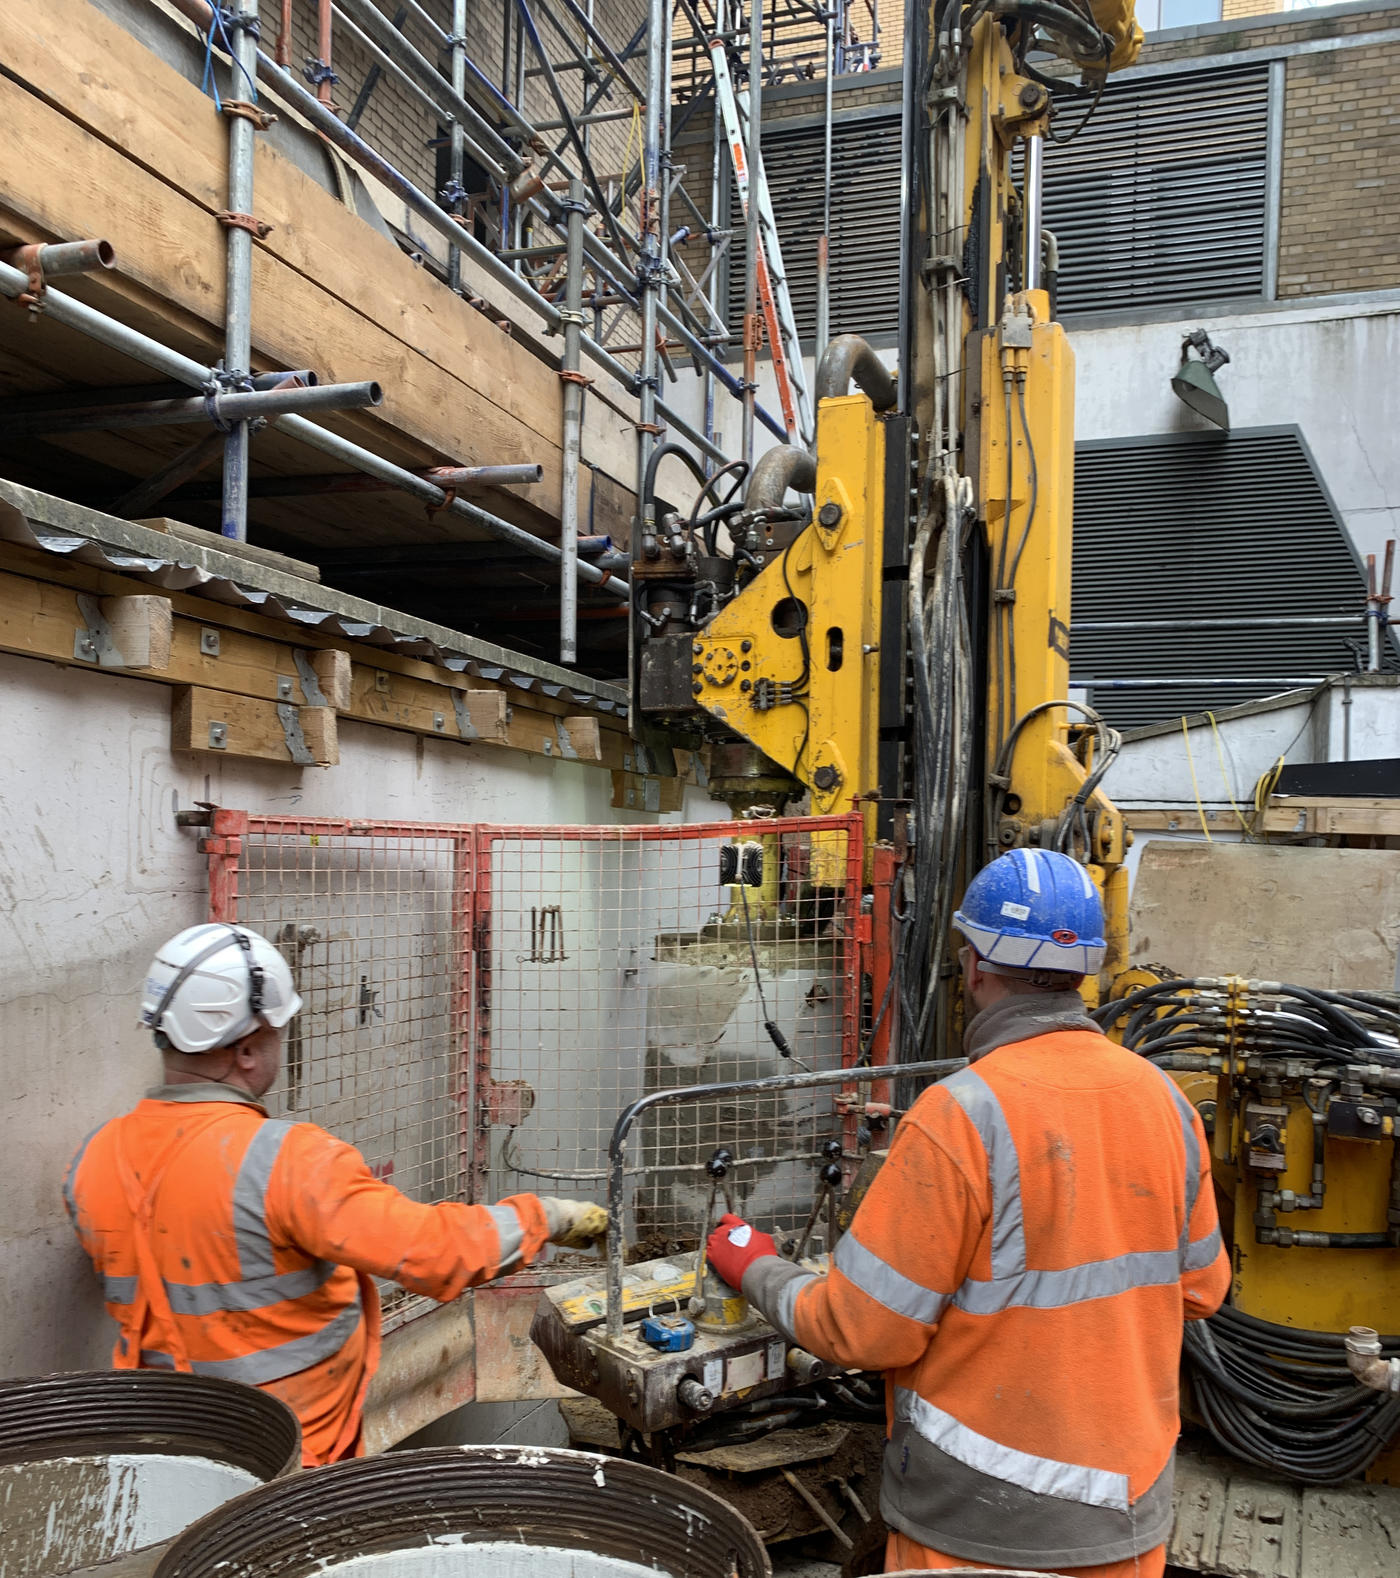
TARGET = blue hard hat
x,y
1034,909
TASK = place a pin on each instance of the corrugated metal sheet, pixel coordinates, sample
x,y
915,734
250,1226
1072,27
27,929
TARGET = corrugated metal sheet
x,y
865,188
1163,197
51,525
1197,525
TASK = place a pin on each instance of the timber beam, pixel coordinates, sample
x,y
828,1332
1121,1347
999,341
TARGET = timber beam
x,y
241,687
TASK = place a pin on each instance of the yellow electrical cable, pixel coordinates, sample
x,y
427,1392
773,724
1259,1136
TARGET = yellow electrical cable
x,y
635,125
1229,794
1263,793
1191,763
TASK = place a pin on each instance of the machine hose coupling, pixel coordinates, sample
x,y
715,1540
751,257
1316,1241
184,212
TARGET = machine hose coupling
x,y
1366,1363
695,1396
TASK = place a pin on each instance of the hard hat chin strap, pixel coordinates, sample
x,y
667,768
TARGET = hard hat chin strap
x,y
256,977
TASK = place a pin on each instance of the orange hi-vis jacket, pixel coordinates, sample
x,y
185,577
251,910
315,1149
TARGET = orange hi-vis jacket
x,y
1021,1268
234,1245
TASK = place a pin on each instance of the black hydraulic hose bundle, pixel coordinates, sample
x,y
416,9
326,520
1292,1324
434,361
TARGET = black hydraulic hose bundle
x,y
1275,1395
1332,1029
1285,1399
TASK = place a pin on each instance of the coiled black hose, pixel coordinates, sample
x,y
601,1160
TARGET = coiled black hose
x,y
1285,1399
1275,1396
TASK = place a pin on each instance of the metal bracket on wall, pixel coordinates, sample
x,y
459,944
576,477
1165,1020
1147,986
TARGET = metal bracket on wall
x,y
291,731
465,727
95,643
566,745
310,685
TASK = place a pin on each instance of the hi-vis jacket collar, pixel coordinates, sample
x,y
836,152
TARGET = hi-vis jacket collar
x,y
1022,1016
204,1090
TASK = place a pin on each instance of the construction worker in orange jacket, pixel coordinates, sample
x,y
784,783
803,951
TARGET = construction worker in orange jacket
x,y
235,1245
1022,1264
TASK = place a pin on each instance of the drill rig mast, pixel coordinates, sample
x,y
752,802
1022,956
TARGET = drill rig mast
x,y
906,639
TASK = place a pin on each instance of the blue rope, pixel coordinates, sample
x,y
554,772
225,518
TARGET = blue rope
x,y
221,21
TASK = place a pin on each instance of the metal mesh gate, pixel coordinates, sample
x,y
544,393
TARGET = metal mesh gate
x,y
481,1002
373,919
613,961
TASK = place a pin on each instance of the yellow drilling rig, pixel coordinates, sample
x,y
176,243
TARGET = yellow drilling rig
x,y
884,623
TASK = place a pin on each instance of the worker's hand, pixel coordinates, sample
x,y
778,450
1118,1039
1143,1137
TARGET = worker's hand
x,y
574,1224
734,1246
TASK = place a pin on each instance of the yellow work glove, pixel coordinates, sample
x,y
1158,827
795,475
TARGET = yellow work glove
x,y
574,1224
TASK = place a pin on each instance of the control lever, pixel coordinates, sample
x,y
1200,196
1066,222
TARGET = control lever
x,y
829,1179
718,1168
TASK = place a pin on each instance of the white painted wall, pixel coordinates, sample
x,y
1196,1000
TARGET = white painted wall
x,y
94,875
1323,368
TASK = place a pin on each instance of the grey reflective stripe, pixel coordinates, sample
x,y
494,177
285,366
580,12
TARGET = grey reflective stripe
x,y
1043,1476
119,1290
70,1177
251,1237
1202,1253
1186,1112
271,1364
976,1098
879,1280
786,1313
209,1298
510,1233
1049,1290
773,1285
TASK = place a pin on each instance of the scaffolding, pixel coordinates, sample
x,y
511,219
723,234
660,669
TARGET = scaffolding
x,y
554,178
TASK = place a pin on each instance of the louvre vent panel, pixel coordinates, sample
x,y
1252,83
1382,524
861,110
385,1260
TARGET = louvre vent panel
x,y
1163,197
1161,201
865,188
1206,526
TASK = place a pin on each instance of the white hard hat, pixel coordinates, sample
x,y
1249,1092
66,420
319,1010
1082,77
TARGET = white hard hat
x,y
211,985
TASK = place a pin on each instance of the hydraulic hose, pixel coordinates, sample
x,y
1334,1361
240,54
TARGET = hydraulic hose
x,y
1284,1398
849,357
775,471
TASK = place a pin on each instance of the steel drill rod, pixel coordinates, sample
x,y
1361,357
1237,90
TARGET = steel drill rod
x,y
617,1146
237,405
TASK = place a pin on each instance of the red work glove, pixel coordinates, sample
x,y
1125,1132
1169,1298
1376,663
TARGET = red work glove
x,y
734,1246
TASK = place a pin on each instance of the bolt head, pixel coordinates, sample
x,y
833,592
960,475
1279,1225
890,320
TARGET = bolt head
x,y
746,646
829,514
696,688
696,648
826,777
1030,96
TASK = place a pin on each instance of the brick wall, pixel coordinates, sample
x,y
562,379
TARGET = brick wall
x,y
1233,10
1340,211
1340,228
399,125
1292,27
